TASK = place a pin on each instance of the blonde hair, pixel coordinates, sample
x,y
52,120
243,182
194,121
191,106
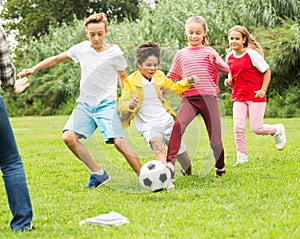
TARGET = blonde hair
x,y
202,21
250,41
96,18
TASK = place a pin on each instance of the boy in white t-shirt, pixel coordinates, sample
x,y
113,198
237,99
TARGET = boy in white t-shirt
x,y
101,65
142,101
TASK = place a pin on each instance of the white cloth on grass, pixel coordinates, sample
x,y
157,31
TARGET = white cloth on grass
x,y
111,219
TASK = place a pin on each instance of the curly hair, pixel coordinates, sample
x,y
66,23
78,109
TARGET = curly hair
x,y
145,50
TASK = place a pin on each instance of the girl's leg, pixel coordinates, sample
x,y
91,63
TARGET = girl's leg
x,y
256,115
185,115
211,116
240,110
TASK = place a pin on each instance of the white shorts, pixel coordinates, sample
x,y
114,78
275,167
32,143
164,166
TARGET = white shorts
x,y
164,132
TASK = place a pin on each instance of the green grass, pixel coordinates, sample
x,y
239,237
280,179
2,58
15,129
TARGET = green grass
x,y
259,199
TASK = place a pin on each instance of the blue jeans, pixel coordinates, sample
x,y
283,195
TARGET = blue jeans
x,y
13,175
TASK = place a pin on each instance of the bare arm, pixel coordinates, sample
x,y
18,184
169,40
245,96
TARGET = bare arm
x,y
267,78
228,81
50,61
122,77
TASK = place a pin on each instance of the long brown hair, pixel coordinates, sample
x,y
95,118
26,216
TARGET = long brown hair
x,y
250,41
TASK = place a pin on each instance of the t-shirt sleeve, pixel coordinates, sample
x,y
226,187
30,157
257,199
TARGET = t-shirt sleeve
x,y
258,61
71,52
228,55
121,63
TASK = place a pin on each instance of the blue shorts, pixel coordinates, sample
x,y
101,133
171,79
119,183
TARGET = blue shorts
x,y
85,119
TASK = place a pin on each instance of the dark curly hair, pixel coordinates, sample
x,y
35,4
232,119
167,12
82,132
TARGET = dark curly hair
x,y
145,50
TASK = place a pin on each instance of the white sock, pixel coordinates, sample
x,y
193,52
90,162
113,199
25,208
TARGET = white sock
x,y
100,172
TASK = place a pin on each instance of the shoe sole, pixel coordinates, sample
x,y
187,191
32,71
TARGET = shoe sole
x,y
104,182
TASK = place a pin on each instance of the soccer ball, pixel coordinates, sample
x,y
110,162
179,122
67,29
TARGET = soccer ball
x,y
154,176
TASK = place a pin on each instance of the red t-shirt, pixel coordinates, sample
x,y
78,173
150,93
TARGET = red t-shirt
x,y
247,73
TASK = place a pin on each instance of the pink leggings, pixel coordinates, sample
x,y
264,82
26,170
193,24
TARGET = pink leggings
x,y
256,111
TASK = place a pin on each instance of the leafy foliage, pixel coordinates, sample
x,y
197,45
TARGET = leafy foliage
x,y
33,18
277,29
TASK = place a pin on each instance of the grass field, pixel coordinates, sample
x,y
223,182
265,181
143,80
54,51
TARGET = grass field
x,y
259,199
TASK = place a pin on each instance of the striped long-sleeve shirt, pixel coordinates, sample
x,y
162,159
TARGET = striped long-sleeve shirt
x,y
199,61
7,69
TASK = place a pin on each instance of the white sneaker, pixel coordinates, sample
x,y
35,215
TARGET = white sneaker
x,y
170,187
241,158
279,136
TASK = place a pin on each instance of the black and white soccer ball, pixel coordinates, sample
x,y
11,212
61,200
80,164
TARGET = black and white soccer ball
x,y
154,176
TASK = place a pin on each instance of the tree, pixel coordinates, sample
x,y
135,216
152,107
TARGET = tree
x,y
32,18
54,89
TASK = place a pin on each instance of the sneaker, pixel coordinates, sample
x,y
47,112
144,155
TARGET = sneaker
x,y
241,158
184,173
97,180
172,170
170,187
279,136
220,172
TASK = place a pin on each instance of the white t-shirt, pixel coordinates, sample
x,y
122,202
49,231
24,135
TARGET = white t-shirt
x,y
152,113
99,76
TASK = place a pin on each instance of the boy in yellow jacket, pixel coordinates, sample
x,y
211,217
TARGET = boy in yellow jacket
x,y
142,101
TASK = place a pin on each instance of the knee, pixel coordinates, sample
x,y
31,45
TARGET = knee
x,y
68,137
257,130
157,144
119,143
239,129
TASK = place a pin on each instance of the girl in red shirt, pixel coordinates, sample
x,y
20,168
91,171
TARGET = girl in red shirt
x,y
203,61
249,77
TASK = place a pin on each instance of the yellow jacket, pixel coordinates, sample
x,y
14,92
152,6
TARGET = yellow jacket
x,y
133,86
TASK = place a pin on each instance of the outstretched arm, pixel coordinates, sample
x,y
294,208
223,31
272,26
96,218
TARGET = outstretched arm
x,y
50,61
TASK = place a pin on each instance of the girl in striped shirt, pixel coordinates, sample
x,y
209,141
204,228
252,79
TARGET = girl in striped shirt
x,y
203,61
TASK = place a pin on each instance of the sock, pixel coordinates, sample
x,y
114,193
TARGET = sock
x,y
100,172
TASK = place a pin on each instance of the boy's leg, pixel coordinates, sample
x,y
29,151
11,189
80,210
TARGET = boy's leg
x,y
124,148
158,146
80,124
71,139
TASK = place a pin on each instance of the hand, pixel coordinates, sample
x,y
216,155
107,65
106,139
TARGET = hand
x,y
21,85
193,79
25,72
134,102
259,94
228,82
162,93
